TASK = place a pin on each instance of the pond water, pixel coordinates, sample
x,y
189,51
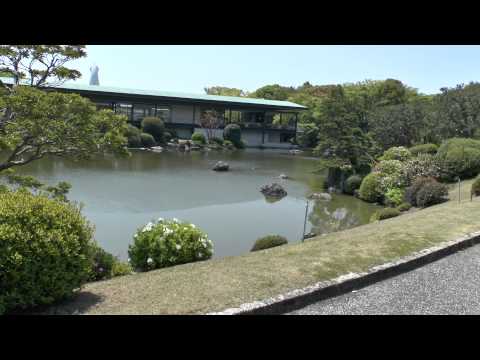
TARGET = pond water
x,y
122,194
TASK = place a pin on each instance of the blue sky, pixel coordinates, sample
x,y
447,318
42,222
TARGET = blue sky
x,y
191,68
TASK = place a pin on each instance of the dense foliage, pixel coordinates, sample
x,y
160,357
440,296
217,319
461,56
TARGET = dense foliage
x,y
431,193
167,243
370,189
45,250
106,266
459,157
147,140
399,153
352,183
476,187
269,241
424,149
405,206
155,127
233,133
199,138
383,214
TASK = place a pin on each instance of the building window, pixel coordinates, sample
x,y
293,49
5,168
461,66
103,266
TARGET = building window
x,y
163,112
142,110
286,137
124,109
104,105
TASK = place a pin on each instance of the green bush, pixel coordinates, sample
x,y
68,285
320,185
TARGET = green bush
x,y
133,136
167,136
233,133
216,140
106,266
384,214
394,197
45,250
424,149
199,137
400,153
155,127
459,157
392,174
431,193
370,189
147,140
228,144
412,191
476,187
269,241
167,243
352,183
405,206
308,136
423,165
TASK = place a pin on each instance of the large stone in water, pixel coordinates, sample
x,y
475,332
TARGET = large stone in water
x,y
273,190
321,196
221,166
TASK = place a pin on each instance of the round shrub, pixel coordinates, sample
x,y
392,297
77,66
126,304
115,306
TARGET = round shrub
x,y
476,187
394,197
233,133
384,214
352,183
459,157
199,137
167,243
370,189
400,153
45,250
216,140
106,266
431,193
424,165
392,174
424,149
405,206
167,136
155,127
133,136
147,140
412,191
269,241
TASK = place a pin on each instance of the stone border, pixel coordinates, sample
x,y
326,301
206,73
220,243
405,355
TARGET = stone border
x,y
300,298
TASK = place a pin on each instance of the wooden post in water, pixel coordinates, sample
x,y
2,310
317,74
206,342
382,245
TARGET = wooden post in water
x,y
305,222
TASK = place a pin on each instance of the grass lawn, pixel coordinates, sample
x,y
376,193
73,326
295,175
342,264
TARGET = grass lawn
x,y
219,284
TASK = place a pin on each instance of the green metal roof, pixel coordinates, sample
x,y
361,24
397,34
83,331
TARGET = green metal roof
x,y
175,95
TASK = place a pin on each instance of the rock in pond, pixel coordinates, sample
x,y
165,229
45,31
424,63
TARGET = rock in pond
x,y
156,149
321,196
295,151
273,190
309,235
283,176
221,166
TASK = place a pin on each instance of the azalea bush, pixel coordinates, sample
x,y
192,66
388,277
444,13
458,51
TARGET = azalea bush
x,y
166,243
391,174
400,153
426,192
424,165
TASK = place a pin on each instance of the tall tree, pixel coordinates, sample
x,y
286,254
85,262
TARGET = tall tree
x,y
225,91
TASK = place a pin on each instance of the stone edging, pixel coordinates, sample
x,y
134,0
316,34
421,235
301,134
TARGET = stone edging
x,y
299,298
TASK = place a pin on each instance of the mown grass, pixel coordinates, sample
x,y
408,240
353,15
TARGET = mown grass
x,y
223,283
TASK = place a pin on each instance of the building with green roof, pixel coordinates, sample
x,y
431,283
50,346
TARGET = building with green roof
x,y
268,123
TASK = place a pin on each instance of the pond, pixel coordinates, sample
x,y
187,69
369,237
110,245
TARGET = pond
x,y
122,194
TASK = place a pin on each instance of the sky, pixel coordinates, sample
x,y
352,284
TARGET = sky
x,y
191,68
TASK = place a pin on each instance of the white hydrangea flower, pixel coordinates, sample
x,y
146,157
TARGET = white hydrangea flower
x,y
175,220
192,226
178,246
160,219
149,261
148,227
199,255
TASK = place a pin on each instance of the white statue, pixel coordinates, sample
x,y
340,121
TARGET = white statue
x,y
94,75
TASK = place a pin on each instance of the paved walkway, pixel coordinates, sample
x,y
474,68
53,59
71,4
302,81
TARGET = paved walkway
x,y
448,286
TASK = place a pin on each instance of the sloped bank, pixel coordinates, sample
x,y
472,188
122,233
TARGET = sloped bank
x,y
216,285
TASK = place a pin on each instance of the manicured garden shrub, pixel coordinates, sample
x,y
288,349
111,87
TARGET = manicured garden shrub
x,y
431,193
233,133
147,140
459,157
199,137
391,172
424,165
228,144
412,191
405,206
133,136
167,136
383,214
269,241
394,197
106,266
424,149
352,183
400,153
167,243
216,140
45,250
476,187
155,127
370,189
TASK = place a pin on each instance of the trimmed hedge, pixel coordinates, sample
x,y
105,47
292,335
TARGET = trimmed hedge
x,y
405,206
396,153
155,127
147,140
432,193
383,214
424,149
370,189
476,187
45,250
133,136
268,242
199,137
352,183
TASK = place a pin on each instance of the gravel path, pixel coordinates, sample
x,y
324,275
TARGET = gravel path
x,y
448,286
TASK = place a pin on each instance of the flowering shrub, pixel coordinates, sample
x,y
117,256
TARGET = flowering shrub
x,y
424,165
391,174
397,153
394,197
167,243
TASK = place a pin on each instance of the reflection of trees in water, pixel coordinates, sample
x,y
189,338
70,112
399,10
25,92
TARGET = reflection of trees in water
x,y
327,217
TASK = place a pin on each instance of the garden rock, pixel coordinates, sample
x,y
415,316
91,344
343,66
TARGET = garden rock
x,y
321,196
221,166
156,149
273,190
283,176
